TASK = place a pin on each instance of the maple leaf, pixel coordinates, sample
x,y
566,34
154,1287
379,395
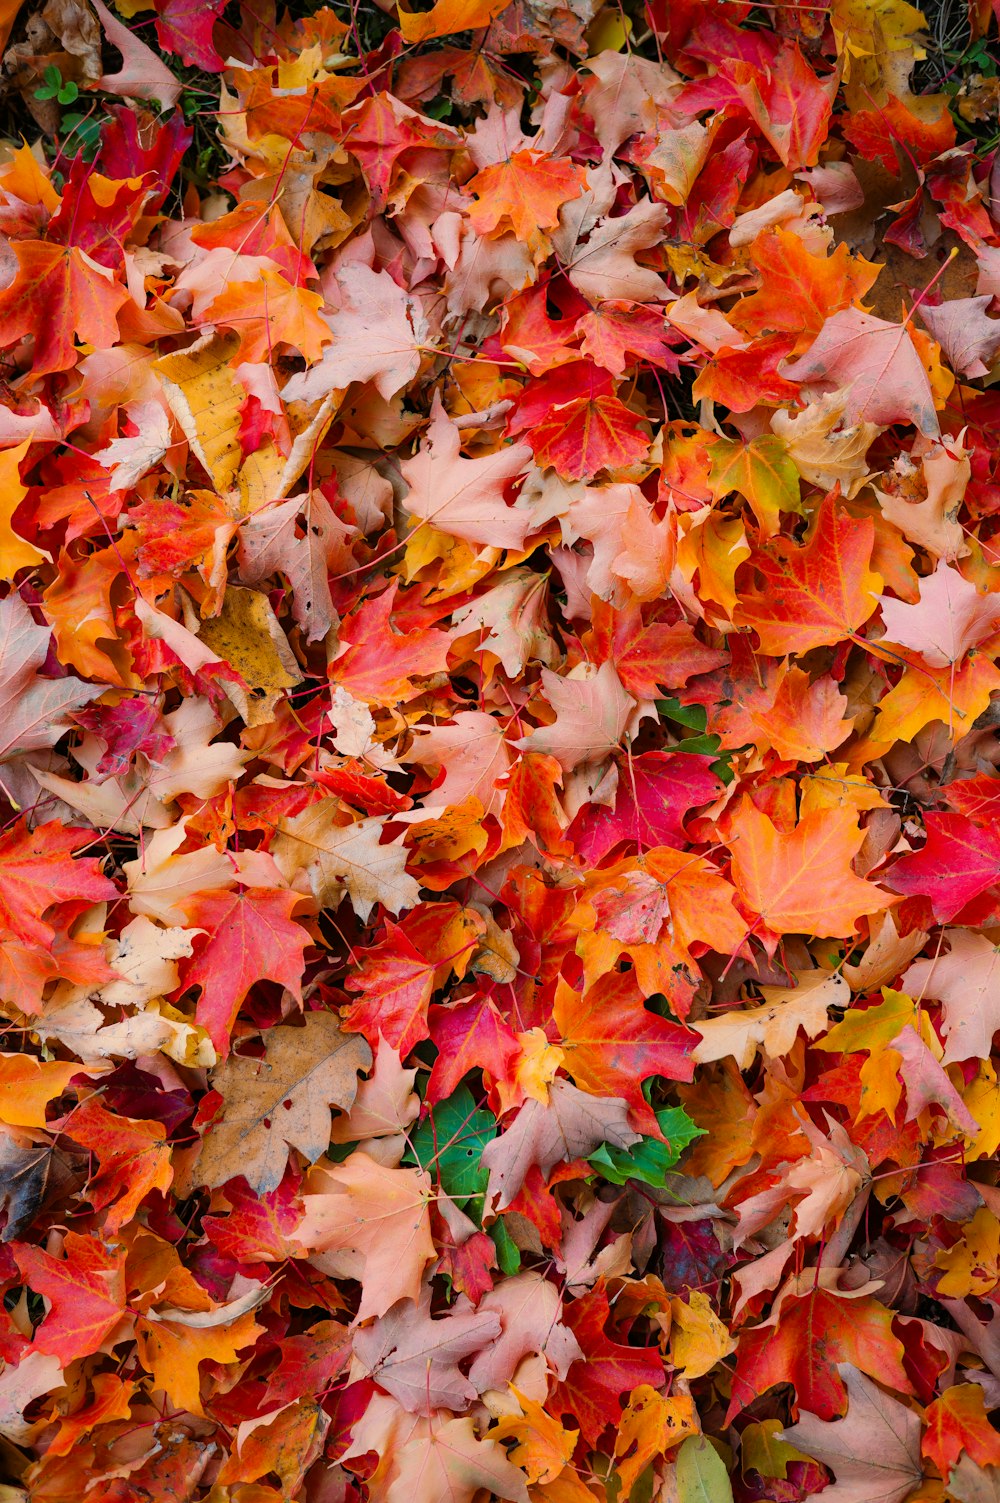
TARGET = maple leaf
x,y
962,978
248,935
801,881
36,1374
651,802
27,1085
335,858
619,331
651,1424
969,340
775,1025
280,1101
876,366
811,1334
371,1223
18,553
524,194
134,1158
58,292
823,450
530,1313
949,618
800,289
543,1448
612,1043
32,708
85,1291
397,983
816,594
958,1422
415,1358
574,422
445,16
873,1452
378,664
606,266
271,543
375,335
464,497
426,1460
592,713
172,1351
763,472
594,1385
472,1035
185,27
268,312
570,1126
37,870
957,862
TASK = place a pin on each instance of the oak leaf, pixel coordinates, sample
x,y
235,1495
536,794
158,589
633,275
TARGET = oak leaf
x,y
773,1027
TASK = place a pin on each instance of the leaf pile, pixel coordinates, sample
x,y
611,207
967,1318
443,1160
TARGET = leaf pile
x,y
499,870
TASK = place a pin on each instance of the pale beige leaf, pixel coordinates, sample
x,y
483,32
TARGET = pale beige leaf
x,y
377,334
950,617
887,953
823,449
772,1028
474,754
335,858
965,979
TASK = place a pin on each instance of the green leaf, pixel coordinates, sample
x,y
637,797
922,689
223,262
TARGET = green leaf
x,y
508,1253
693,716
449,1145
701,1473
648,1160
698,746
763,472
